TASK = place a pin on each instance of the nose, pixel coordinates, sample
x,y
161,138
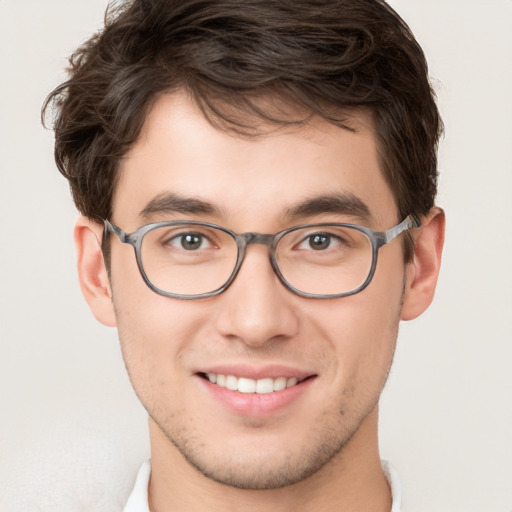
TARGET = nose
x,y
257,307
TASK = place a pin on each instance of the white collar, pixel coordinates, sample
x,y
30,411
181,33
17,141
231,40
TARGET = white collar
x,y
138,500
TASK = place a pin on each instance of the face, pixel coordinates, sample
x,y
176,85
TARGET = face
x,y
338,350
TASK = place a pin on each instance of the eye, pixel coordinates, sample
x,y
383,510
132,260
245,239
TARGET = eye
x,y
190,241
320,241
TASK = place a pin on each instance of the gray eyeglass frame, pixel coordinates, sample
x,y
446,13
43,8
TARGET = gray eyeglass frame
x,y
377,239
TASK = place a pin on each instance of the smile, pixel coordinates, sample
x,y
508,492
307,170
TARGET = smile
x,y
246,385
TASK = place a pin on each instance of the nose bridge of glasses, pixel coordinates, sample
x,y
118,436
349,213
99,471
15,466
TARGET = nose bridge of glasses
x,y
245,239
256,238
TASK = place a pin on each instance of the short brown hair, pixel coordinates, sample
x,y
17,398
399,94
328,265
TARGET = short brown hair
x,y
323,57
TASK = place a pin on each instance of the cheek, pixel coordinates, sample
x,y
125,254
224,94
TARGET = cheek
x,y
144,317
362,329
153,330
155,337
381,303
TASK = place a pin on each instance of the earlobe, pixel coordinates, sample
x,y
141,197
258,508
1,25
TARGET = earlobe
x,y
423,270
92,272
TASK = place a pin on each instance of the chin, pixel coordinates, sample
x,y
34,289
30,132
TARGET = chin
x,y
263,464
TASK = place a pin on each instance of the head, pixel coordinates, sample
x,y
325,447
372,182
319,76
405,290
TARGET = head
x,y
251,109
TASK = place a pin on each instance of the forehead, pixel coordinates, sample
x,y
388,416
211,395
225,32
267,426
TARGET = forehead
x,y
248,179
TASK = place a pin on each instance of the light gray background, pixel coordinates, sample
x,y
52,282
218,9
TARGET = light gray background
x,y
72,433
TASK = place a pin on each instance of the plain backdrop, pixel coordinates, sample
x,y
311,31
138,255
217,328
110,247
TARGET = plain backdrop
x,y
72,433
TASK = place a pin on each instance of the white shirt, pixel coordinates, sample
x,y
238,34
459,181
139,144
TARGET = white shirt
x,y
138,500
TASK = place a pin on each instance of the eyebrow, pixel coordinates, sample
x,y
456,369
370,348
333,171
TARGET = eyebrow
x,y
341,204
168,202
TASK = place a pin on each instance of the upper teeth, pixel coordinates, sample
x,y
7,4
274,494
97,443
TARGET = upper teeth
x,y
245,385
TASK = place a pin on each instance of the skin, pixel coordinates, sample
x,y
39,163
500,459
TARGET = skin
x,y
320,451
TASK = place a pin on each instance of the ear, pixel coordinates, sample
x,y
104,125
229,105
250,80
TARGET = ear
x,y
92,272
423,270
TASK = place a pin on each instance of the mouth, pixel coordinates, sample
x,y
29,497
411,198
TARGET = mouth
x,y
258,386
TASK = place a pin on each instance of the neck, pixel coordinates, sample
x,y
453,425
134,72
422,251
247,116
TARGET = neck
x,y
352,480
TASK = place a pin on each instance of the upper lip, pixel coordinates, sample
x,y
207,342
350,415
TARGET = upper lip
x,y
272,371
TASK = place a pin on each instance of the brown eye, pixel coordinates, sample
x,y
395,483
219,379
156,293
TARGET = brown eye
x,y
189,241
319,241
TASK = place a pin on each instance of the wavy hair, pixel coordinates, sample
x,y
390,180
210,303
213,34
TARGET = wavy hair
x,y
319,57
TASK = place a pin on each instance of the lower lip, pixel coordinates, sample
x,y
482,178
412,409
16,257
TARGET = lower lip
x,y
257,404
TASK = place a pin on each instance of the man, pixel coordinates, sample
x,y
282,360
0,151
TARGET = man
x,y
272,165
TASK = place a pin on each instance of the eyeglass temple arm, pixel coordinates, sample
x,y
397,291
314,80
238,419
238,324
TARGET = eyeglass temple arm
x,y
110,228
411,221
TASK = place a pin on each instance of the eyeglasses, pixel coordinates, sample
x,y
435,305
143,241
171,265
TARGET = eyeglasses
x,y
194,260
